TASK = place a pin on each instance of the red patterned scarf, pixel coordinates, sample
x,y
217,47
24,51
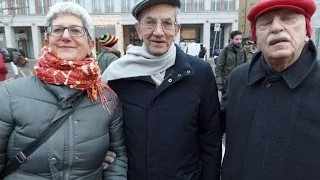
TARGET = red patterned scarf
x,y
79,75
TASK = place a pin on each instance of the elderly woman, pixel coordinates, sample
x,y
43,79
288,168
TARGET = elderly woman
x,y
66,81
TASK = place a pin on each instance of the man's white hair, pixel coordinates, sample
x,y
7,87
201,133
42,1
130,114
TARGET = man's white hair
x,y
73,9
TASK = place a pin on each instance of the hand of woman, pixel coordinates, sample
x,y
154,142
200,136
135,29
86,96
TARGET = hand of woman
x,y
108,159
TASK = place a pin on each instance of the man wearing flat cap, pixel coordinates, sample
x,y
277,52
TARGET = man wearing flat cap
x,y
170,101
271,108
248,48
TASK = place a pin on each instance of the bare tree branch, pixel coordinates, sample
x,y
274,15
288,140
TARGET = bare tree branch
x,y
9,6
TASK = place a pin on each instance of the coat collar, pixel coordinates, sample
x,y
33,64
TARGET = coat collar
x,y
293,75
181,64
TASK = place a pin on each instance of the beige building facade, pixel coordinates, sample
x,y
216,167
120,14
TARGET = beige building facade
x,y
244,8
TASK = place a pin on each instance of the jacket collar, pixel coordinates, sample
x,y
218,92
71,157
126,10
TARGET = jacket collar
x,y
182,63
293,75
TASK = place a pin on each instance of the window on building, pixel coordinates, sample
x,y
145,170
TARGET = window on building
x,y
190,34
25,7
229,5
185,5
80,2
42,6
192,5
134,37
52,2
127,5
215,5
2,7
102,6
198,5
109,5
15,7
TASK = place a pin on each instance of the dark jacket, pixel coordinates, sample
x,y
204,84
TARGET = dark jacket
x,y
229,58
106,57
202,52
273,124
249,55
16,55
76,150
173,131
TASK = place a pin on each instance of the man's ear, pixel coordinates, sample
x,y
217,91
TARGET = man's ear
x,y
138,29
177,30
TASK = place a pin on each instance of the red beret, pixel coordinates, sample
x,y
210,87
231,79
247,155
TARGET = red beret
x,y
305,7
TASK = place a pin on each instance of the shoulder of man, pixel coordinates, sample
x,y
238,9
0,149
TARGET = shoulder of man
x,y
115,53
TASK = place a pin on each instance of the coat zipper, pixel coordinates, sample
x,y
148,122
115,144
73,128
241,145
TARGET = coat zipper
x,y
70,147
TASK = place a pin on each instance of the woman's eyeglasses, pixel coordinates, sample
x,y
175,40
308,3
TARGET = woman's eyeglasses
x,y
57,30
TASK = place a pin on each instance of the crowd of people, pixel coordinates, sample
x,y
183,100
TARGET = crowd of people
x,y
155,113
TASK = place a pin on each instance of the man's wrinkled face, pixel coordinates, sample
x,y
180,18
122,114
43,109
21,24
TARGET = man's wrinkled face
x,y
237,40
281,34
157,28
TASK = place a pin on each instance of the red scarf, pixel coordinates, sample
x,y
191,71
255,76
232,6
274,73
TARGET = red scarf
x,y
79,75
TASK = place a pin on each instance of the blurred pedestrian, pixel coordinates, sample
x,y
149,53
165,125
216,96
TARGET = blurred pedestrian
x,y
203,52
3,69
15,64
271,108
229,58
22,52
109,52
248,47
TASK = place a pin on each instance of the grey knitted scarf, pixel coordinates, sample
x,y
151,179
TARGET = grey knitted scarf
x,y
138,62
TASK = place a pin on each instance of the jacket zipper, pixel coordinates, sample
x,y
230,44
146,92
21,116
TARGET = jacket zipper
x,y
70,147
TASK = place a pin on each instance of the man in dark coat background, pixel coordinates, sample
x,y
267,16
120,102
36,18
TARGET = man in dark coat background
x,y
271,107
170,101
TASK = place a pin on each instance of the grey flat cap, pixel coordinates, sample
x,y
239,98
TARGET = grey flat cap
x,y
143,4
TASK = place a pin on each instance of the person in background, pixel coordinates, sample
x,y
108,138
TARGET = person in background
x,y
248,47
229,58
64,74
22,52
271,108
16,69
109,53
202,52
3,69
170,101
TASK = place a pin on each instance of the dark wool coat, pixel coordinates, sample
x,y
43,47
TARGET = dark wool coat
x,y
273,127
173,131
